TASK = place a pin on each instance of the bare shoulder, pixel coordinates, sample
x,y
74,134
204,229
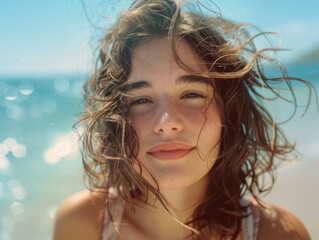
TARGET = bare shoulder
x,y
277,223
80,216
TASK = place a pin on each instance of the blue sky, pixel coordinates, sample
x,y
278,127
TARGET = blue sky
x,y
39,36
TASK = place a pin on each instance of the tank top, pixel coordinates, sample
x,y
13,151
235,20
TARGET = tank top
x,y
249,224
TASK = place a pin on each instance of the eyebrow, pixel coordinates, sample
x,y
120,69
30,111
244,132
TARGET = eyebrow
x,y
184,79
193,79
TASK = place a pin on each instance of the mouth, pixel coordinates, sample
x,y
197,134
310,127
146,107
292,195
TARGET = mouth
x,y
170,151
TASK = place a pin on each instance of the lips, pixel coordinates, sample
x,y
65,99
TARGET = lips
x,y
170,151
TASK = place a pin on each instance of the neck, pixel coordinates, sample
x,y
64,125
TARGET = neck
x,y
154,219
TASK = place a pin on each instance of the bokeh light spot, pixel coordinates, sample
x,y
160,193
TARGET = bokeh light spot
x,y
19,192
50,157
63,146
11,93
3,149
61,84
10,143
19,151
13,183
26,88
4,163
15,112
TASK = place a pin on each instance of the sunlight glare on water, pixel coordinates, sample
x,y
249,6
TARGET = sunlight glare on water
x,y
18,192
19,151
3,149
4,163
32,130
10,143
11,93
26,88
64,145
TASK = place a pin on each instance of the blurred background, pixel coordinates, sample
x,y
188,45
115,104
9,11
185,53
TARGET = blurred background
x,y
46,53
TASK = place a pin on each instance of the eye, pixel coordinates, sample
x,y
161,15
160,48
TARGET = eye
x,y
192,94
140,101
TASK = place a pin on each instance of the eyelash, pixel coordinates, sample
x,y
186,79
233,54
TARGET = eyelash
x,y
194,95
186,95
140,101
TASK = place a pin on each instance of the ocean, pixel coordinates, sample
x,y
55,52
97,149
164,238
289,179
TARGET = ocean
x,y
40,163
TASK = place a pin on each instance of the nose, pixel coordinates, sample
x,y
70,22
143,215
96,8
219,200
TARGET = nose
x,y
169,121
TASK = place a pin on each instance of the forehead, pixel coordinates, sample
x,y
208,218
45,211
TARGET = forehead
x,y
157,54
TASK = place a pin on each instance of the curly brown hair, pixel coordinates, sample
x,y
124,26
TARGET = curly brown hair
x,y
251,139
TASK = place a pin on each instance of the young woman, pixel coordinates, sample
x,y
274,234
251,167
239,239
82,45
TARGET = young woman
x,y
176,137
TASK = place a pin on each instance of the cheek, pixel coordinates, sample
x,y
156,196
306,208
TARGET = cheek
x,y
212,126
195,118
141,124
205,119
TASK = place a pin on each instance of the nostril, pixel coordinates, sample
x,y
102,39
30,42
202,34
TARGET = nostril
x,y
168,124
168,130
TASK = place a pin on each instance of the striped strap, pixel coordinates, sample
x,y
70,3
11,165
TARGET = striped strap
x,y
110,229
250,224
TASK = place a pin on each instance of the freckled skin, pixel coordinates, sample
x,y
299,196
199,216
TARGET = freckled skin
x,y
170,117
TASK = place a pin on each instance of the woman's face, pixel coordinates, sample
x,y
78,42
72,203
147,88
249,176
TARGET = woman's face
x,y
173,113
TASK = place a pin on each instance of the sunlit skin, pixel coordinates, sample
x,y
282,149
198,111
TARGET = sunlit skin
x,y
169,106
